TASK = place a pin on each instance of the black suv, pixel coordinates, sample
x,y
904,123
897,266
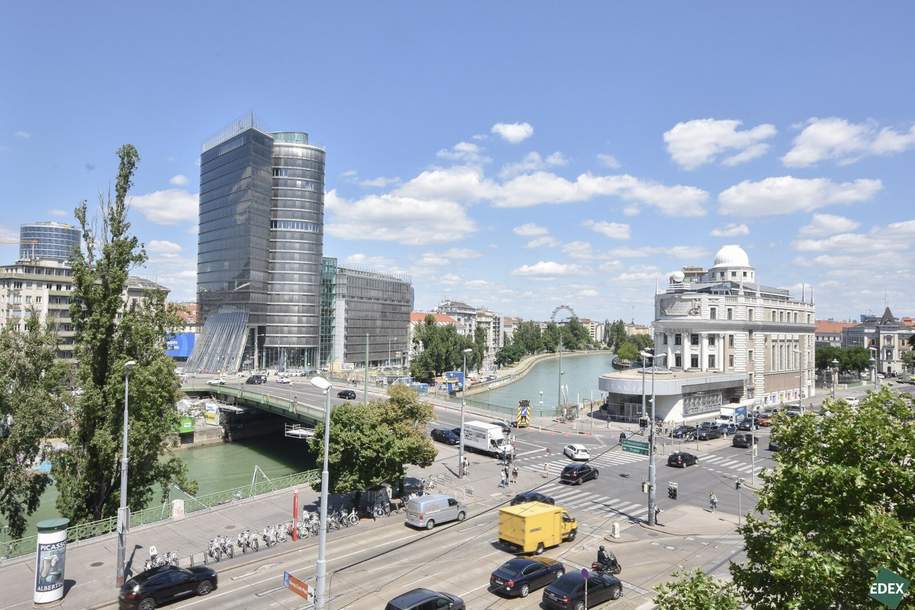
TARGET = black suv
x,y
448,437
420,599
705,434
578,473
347,394
532,496
744,439
685,432
256,379
569,591
165,583
681,459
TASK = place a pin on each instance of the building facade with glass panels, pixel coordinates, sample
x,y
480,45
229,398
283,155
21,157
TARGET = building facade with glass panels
x,y
259,250
54,241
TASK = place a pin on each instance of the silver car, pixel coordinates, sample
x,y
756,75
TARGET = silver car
x,y
428,511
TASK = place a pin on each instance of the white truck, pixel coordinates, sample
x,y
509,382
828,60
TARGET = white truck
x,y
726,416
486,438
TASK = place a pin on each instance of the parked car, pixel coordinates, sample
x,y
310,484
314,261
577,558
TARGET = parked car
x,y
569,591
532,496
763,420
347,394
744,440
578,473
284,380
728,429
681,459
217,381
576,451
446,436
148,589
427,511
520,576
684,432
421,599
707,434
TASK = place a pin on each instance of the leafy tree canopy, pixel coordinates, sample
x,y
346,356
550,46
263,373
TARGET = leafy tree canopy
x,y
696,590
839,506
628,351
441,349
849,358
372,444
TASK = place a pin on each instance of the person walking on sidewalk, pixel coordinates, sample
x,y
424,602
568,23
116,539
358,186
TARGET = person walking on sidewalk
x,y
713,501
503,476
514,474
466,466
657,514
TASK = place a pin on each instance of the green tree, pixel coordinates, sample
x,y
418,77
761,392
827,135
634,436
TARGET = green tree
x,y
824,356
628,351
696,590
839,506
528,337
479,347
87,473
550,337
371,445
31,408
855,359
642,341
617,335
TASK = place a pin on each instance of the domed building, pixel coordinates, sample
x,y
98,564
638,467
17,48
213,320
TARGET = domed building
x,y
723,341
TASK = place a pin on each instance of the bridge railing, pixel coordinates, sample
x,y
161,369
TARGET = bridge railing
x,y
83,531
285,406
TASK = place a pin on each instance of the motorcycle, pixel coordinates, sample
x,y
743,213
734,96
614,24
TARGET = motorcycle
x,y
214,550
227,546
614,568
269,536
282,532
246,541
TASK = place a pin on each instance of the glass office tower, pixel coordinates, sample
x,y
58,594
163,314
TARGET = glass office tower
x,y
54,241
259,250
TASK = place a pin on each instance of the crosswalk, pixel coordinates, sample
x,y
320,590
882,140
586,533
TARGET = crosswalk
x,y
608,459
579,500
728,461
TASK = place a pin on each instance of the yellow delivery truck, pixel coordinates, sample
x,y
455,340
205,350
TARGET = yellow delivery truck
x,y
533,526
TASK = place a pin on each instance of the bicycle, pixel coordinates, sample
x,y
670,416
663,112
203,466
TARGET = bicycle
x,y
351,518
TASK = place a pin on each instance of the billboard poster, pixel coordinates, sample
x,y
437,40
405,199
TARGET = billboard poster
x,y
180,345
49,569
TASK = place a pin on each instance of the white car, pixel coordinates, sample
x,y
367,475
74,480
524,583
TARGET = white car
x,y
217,381
283,380
577,452
853,401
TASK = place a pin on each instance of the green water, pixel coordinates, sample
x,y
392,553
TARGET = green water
x,y
219,467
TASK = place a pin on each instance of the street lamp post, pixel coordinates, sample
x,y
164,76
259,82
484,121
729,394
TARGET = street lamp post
x,y
800,381
122,510
652,496
321,565
559,393
835,376
464,353
873,364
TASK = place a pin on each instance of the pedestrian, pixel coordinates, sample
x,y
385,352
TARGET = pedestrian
x,y
514,474
713,501
504,473
657,514
465,463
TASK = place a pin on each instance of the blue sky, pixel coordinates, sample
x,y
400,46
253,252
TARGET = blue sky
x,y
514,155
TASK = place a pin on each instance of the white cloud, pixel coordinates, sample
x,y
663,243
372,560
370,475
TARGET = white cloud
x,y
701,141
178,180
163,247
837,139
397,218
367,261
787,194
532,162
548,268
828,224
613,230
23,135
380,182
449,279
547,241
608,161
57,212
350,173
731,230
449,256
459,183
631,210
895,238
579,249
465,152
682,252
640,274
588,292
167,207
513,132
461,253
544,187
530,229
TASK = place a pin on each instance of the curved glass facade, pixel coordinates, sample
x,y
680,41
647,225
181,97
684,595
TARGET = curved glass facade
x,y
48,241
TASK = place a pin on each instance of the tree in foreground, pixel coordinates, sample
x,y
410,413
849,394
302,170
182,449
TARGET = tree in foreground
x,y
372,444
628,351
31,407
839,506
696,590
107,335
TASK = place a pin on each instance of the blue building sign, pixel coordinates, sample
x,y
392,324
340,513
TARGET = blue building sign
x,y
180,345
454,381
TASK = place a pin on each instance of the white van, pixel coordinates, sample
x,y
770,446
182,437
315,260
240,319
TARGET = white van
x,y
428,511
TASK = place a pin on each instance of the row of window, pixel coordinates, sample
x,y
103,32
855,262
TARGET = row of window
x,y
281,153
295,225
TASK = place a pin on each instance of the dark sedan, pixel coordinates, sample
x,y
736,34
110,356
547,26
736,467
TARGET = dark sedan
x,y
744,440
520,576
706,434
681,459
569,591
686,432
347,394
728,429
163,584
578,473
745,425
446,436
532,496
774,445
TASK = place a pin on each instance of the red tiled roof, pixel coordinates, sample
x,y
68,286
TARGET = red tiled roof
x,y
831,326
440,318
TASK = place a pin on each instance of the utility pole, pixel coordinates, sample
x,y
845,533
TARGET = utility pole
x,y
365,381
652,496
559,393
463,390
321,564
123,518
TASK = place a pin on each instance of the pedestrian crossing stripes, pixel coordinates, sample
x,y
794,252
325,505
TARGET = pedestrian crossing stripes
x,y
579,500
612,458
741,465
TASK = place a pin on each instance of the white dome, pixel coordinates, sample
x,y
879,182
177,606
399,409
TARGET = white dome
x,y
731,255
677,276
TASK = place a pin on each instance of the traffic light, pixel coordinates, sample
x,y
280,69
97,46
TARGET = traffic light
x,y
672,490
643,422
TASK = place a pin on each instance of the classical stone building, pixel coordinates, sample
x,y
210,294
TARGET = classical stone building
x,y
886,337
722,339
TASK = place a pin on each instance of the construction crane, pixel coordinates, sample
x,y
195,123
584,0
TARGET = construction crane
x,y
10,241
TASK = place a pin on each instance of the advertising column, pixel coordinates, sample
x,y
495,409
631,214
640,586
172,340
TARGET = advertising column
x,y
50,558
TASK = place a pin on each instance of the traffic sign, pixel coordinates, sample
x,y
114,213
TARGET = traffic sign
x,y
297,586
632,446
584,573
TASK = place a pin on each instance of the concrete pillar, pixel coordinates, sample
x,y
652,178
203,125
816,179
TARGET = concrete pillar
x,y
703,351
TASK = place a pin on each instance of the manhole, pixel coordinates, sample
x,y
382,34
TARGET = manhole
x,y
230,527
96,564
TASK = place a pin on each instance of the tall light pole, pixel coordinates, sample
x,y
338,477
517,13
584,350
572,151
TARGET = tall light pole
x,y
835,376
873,364
321,565
559,393
652,496
643,383
365,381
122,510
800,381
463,391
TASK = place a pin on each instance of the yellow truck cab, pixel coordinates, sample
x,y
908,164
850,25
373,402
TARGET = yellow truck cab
x,y
532,527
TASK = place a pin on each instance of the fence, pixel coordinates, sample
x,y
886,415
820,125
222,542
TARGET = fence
x,y
83,531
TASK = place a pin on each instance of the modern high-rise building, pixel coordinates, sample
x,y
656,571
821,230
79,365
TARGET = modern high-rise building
x,y
53,241
259,250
